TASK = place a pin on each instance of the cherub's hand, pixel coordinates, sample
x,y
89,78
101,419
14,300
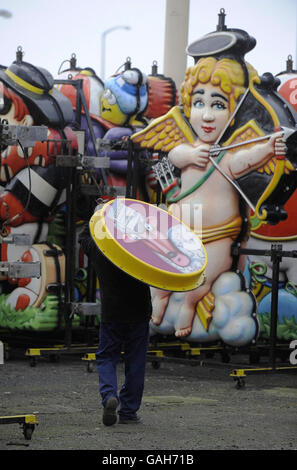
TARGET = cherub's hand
x,y
200,155
278,144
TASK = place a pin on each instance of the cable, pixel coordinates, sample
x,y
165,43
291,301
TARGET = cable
x,y
63,62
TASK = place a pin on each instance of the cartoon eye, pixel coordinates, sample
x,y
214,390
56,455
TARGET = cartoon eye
x,y
198,104
110,97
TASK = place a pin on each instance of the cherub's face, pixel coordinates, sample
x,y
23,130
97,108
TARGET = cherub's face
x,y
209,112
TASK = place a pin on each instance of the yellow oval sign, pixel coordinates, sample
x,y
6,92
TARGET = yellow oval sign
x,y
149,244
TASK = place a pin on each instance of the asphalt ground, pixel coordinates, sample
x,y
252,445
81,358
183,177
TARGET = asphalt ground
x,y
188,409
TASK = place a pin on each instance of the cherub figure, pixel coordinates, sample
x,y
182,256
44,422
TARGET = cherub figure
x,y
209,95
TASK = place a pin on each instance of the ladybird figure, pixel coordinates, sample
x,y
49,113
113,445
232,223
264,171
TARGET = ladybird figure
x,y
113,110
33,188
124,104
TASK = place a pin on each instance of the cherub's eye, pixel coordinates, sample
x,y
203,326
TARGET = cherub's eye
x,y
198,104
219,105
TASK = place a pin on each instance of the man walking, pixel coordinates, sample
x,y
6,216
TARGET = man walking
x,y
124,328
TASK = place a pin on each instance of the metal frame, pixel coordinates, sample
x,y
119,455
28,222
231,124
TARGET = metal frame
x,y
276,254
73,163
27,421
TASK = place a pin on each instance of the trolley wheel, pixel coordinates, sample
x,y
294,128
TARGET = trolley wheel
x,y
240,383
90,367
28,430
33,361
156,364
54,358
209,355
225,357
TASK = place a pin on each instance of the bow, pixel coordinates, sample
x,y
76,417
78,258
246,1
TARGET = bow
x,y
259,216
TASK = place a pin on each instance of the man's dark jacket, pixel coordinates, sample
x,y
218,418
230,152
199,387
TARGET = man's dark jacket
x,y
123,298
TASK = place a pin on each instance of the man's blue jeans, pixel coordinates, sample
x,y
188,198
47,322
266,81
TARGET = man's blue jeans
x,y
132,339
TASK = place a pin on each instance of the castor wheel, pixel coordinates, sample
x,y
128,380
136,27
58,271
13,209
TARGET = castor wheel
x,y
54,358
240,383
209,355
156,364
33,361
28,430
225,357
90,367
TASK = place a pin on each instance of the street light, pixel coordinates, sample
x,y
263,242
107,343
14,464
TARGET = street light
x,y
5,14
103,37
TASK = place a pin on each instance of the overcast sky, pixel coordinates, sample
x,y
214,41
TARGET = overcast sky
x,y
49,31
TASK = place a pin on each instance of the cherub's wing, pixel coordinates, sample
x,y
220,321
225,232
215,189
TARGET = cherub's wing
x,y
165,132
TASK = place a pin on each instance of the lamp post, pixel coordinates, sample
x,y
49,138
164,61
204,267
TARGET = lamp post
x,y
5,14
103,46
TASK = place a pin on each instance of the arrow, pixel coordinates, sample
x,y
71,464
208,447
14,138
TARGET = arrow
x,y
287,132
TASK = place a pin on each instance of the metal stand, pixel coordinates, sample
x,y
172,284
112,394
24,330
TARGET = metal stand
x,y
27,421
26,137
276,254
74,163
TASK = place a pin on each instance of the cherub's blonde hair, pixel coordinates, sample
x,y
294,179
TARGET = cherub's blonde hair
x,y
225,73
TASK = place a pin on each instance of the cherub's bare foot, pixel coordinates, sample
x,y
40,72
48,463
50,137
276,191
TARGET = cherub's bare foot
x,y
183,326
183,332
159,303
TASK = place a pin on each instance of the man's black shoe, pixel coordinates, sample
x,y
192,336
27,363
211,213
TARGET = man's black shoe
x,y
135,420
109,413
